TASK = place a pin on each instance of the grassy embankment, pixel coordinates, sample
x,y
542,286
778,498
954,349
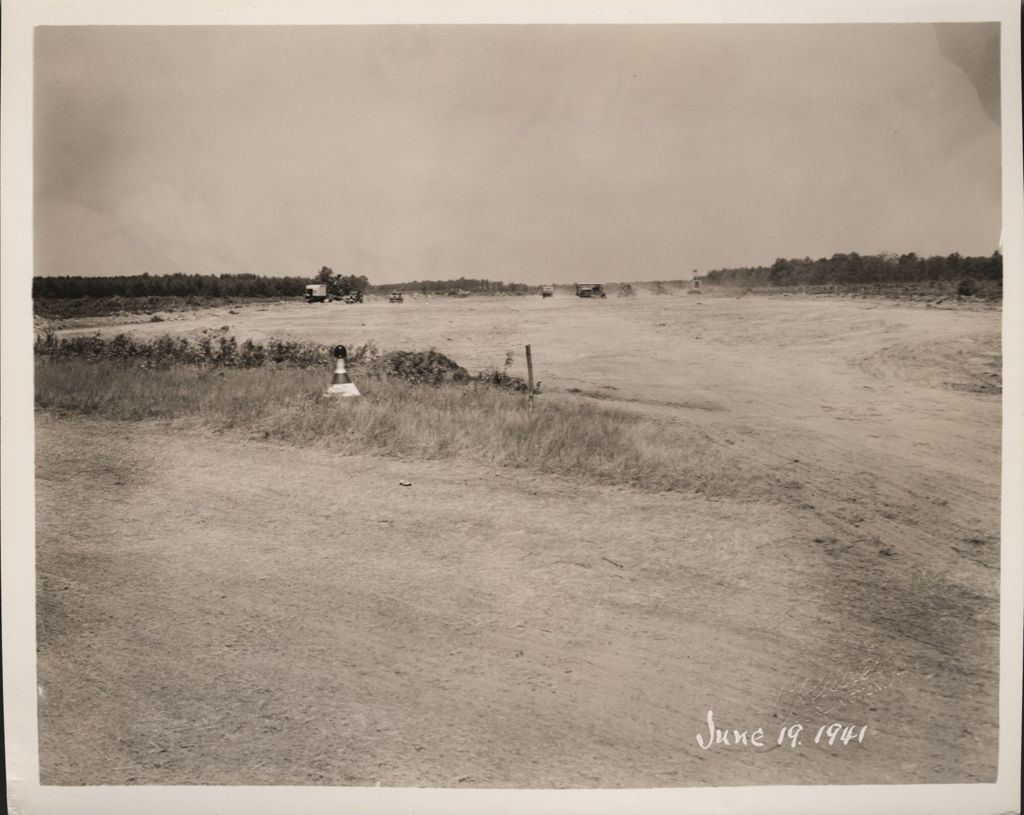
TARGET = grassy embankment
x,y
65,308
413,405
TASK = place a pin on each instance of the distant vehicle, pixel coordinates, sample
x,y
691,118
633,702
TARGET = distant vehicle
x,y
626,290
316,293
590,290
396,297
547,291
695,287
354,297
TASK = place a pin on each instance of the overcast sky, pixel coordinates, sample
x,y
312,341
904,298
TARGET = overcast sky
x,y
518,153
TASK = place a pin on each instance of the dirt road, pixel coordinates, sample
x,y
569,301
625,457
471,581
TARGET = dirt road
x,y
220,611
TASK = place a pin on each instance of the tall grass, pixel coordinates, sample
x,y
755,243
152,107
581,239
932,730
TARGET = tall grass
x,y
473,420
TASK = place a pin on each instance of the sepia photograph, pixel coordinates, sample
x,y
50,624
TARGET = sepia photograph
x,y
587,405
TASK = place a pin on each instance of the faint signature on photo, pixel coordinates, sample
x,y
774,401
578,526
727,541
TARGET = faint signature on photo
x,y
829,695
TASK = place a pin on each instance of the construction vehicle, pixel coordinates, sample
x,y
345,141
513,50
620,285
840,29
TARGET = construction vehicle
x,y
547,291
354,297
396,297
590,290
316,293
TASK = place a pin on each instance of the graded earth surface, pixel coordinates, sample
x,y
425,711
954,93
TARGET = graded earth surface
x,y
214,609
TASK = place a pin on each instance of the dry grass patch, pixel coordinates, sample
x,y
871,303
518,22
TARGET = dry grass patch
x,y
471,420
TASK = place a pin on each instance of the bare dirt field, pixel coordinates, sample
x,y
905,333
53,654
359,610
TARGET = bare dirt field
x,y
217,610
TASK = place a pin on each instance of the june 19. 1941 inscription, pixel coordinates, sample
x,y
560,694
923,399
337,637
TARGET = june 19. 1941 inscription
x,y
829,734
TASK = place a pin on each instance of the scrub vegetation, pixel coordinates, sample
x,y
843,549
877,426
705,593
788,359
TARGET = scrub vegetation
x,y
418,404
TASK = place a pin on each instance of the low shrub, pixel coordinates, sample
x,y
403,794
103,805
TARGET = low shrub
x,y
418,367
502,379
165,351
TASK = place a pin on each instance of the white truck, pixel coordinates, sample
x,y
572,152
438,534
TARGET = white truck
x,y
316,292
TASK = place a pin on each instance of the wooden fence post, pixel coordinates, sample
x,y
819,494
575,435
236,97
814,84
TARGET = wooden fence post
x,y
529,374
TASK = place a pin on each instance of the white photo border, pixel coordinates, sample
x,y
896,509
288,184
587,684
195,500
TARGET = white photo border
x,y
18,581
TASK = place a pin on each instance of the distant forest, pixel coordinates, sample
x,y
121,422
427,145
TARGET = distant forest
x,y
838,270
470,284
175,285
244,285
847,269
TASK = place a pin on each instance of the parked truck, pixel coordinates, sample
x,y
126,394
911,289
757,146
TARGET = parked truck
x,y
590,290
316,293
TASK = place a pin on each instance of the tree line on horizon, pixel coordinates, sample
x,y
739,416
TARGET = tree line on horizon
x,y
173,285
838,270
246,285
852,268
470,284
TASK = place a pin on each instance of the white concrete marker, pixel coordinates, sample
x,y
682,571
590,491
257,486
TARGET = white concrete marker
x,y
341,382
